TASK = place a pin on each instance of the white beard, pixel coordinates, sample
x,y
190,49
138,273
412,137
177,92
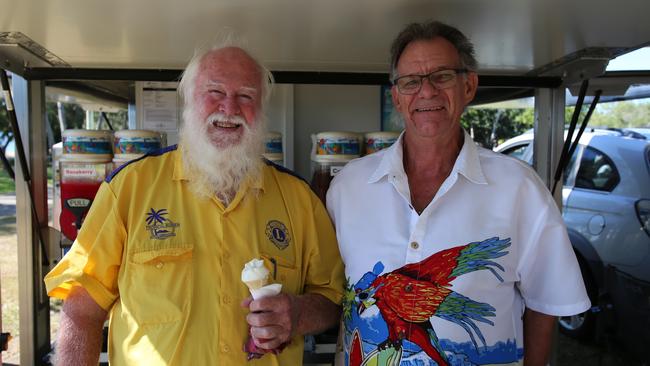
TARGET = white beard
x,y
215,170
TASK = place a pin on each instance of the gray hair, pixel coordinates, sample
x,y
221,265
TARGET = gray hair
x,y
228,39
428,31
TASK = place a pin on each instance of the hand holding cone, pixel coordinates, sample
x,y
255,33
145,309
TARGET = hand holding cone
x,y
256,276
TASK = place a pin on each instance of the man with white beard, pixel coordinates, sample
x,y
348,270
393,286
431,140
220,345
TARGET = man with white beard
x,y
167,236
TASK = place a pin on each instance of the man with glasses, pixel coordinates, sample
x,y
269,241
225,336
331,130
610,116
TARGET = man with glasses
x,y
452,253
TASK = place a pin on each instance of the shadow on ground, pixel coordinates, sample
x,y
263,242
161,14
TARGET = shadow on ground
x,y
7,225
572,352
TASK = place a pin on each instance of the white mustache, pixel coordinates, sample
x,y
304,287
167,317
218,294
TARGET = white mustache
x,y
220,117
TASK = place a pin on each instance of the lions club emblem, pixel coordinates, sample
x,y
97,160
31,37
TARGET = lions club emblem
x,y
278,234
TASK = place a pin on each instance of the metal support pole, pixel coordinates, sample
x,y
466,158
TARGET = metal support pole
x,y
549,135
547,148
29,98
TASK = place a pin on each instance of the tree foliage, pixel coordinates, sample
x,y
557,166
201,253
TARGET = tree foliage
x,y
625,114
491,126
5,128
74,117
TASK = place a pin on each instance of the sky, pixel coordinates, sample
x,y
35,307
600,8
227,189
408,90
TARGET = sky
x,y
636,60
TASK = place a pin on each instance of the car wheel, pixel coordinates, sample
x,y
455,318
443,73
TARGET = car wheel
x,y
581,326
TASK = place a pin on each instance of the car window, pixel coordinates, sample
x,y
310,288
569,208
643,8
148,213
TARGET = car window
x,y
516,151
569,168
597,171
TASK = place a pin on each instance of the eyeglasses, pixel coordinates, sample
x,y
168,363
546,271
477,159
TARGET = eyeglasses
x,y
441,79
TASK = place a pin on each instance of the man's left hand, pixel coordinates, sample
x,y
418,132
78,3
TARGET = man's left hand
x,y
273,319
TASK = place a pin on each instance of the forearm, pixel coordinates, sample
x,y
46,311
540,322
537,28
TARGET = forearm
x,y
79,339
316,314
538,333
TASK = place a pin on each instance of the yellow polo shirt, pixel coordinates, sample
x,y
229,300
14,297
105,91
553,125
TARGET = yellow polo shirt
x,y
167,265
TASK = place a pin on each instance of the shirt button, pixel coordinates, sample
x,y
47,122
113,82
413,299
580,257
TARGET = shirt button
x,y
226,299
415,245
225,348
159,265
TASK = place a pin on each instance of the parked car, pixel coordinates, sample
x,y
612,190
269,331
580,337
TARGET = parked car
x,y
643,131
606,207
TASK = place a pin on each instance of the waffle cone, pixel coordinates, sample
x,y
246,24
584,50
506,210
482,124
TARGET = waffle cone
x,y
256,284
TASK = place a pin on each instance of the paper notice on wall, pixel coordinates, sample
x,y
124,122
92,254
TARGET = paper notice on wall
x,y
160,109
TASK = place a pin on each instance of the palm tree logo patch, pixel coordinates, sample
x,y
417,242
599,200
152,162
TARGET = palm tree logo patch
x,y
159,226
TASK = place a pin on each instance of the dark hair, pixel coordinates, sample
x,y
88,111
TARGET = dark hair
x,y
428,31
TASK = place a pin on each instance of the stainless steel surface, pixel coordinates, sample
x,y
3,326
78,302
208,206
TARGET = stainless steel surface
x,y
511,36
549,134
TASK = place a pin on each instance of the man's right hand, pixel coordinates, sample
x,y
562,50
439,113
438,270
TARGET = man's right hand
x,y
272,319
79,340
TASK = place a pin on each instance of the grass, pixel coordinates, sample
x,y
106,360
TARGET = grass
x,y
6,183
9,291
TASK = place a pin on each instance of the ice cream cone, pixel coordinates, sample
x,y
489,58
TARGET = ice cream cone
x,y
256,284
255,275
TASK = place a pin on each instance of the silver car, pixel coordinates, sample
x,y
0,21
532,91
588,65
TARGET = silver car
x,y
606,198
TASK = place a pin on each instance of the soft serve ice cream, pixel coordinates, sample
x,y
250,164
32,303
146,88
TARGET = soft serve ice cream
x,y
255,275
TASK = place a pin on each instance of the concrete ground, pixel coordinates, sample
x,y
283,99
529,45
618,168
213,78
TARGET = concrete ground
x,y
7,205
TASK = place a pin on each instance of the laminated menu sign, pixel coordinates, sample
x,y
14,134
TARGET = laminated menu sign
x,y
160,107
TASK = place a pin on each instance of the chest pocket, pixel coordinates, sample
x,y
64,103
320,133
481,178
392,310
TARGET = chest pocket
x,y
284,272
158,284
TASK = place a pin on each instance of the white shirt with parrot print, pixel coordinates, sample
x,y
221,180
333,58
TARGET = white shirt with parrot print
x,y
449,286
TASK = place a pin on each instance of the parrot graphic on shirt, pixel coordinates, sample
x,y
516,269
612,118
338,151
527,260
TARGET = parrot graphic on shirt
x,y
409,296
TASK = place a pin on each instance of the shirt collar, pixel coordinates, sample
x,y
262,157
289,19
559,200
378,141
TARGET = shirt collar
x,y
179,171
467,163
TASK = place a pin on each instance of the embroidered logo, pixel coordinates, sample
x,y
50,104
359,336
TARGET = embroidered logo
x,y
159,226
278,234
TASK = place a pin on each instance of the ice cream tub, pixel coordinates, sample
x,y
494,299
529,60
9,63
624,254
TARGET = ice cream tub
x,y
275,158
376,141
120,160
135,142
339,145
273,143
87,142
